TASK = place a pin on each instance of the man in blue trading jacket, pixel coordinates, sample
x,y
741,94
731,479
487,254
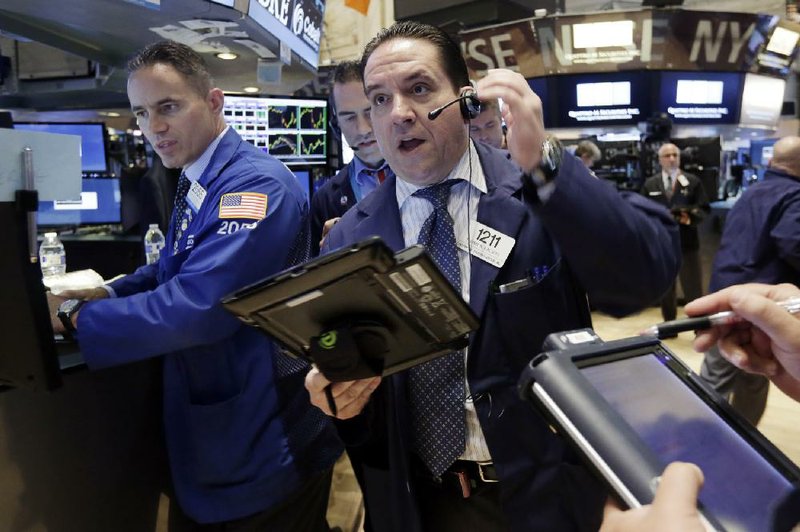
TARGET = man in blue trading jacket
x,y
760,244
365,171
479,458
245,446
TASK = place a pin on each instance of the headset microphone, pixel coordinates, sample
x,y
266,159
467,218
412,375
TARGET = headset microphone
x,y
433,115
470,106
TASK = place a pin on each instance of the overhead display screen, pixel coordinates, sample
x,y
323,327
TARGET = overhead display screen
x,y
762,100
700,97
602,99
293,130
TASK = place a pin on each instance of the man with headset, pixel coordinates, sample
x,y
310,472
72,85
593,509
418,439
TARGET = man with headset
x,y
465,452
365,171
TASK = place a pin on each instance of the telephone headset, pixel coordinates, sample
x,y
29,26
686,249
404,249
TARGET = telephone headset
x,y
468,102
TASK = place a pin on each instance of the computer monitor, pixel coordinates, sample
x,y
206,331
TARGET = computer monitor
x,y
700,97
587,100
94,141
293,130
100,204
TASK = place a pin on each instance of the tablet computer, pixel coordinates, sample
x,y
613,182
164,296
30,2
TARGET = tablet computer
x,y
631,407
360,311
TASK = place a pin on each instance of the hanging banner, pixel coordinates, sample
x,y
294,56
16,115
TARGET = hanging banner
x,y
635,40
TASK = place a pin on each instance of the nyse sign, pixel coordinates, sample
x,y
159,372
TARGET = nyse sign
x,y
647,39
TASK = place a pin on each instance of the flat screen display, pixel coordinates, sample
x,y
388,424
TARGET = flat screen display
x,y
700,97
677,425
99,204
93,141
293,130
585,100
762,100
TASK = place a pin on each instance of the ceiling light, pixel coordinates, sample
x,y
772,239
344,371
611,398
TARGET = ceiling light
x,y
227,56
250,90
112,114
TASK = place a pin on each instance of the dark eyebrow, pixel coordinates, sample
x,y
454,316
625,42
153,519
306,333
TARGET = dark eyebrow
x,y
418,75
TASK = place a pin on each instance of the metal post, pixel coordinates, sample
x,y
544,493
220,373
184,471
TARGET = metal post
x,y
27,174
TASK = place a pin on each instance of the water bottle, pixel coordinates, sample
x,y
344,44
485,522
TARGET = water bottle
x,y
52,258
153,243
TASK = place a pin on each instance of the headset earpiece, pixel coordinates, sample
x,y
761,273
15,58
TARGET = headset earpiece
x,y
470,104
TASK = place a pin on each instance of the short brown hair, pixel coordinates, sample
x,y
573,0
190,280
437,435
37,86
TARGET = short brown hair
x,y
180,57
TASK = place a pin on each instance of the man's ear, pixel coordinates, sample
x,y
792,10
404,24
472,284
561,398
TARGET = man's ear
x,y
216,100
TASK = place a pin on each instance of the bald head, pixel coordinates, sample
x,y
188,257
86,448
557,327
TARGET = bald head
x,y
786,156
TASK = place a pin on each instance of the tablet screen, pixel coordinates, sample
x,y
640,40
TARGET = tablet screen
x,y
741,487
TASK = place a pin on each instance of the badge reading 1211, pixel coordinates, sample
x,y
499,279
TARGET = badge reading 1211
x,y
487,244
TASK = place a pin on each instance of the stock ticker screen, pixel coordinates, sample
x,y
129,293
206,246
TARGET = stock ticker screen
x,y
293,130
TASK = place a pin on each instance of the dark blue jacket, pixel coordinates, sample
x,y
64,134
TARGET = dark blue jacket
x,y
620,248
691,198
332,200
241,433
761,239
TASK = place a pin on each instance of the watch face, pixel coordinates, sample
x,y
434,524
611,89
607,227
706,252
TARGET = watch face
x,y
69,306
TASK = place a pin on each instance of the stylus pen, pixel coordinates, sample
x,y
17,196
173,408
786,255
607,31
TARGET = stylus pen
x,y
699,323
331,400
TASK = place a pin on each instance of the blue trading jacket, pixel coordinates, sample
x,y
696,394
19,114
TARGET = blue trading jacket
x,y
240,430
761,240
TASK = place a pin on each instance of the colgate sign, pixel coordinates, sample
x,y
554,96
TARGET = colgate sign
x,y
305,26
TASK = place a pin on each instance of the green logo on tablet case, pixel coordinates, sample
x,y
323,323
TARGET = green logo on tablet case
x,y
328,340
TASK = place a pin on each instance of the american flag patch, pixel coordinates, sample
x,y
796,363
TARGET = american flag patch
x,y
243,205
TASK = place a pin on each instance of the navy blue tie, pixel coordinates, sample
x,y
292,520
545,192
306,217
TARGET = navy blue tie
x,y
436,388
181,214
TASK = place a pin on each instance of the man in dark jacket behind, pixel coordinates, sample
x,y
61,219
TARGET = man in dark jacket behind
x,y
365,171
760,244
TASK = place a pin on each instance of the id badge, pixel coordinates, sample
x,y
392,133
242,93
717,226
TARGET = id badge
x,y
487,244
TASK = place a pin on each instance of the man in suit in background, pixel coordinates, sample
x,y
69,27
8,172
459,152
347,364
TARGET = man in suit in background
x,y
366,171
682,193
465,452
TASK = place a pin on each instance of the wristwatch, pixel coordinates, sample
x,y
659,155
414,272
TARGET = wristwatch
x,y
65,312
549,163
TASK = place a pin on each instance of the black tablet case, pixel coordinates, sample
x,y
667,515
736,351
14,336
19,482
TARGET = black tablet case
x,y
609,444
403,298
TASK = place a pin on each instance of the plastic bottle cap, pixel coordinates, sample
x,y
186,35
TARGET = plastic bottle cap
x,y
50,234
153,226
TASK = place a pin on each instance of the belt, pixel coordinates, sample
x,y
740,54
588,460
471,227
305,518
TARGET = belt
x,y
464,476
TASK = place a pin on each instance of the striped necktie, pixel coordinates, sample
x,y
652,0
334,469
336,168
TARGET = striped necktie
x,y
436,388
